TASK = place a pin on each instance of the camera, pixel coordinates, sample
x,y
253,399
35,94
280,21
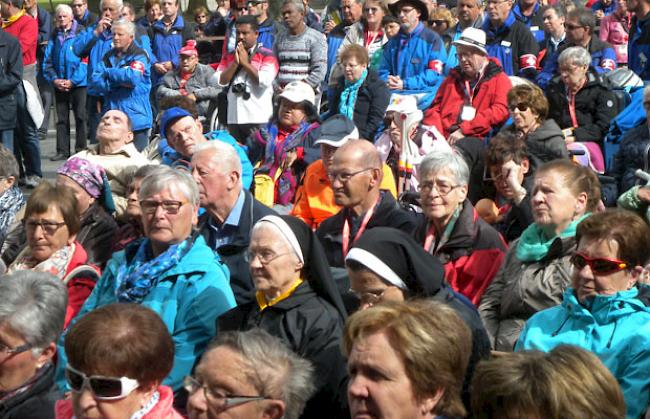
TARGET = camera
x,y
240,88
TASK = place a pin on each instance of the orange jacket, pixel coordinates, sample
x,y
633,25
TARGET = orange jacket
x,y
315,198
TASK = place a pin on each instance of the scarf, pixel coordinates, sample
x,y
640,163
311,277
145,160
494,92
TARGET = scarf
x,y
8,22
533,244
349,95
10,202
136,278
57,264
7,396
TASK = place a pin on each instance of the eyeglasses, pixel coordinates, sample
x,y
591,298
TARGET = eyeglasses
x,y
348,65
103,388
215,398
265,256
443,189
49,227
599,266
572,27
406,10
438,22
14,351
345,177
242,9
521,107
169,207
369,297
371,9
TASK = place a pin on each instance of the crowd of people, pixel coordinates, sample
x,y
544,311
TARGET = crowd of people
x,y
388,209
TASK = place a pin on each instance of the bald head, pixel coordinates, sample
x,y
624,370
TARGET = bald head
x,y
355,175
361,152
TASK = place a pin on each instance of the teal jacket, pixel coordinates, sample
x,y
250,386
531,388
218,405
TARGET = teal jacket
x,y
616,328
188,298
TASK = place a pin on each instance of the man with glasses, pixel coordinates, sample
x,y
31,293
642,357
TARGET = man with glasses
x,y
267,26
356,173
414,59
470,15
580,26
509,40
82,15
249,375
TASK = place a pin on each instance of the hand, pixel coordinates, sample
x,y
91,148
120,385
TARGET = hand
x,y
290,158
191,96
58,84
160,68
599,14
169,66
329,25
643,194
511,171
395,83
242,55
569,139
104,24
455,136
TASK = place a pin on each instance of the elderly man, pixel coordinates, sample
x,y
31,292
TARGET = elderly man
x,y
230,211
509,40
352,11
256,364
67,73
248,76
122,76
580,25
315,197
301,50
473,98
553,17
191,79
116,154
355,175
414,59
470,15
426,365
638,57
82,15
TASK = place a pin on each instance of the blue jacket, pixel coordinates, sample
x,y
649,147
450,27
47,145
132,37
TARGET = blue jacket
x,y
418,58
125,84
514,46
167,45
533,22
88,45
616,328
638,47
607,10
61,62
334,41
266,34
188,298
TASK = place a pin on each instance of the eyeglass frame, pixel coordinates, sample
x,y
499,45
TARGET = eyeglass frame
x,y
511,108
250,256
162,205
32,224
430,186
348,176
4,349
125,382
192,385
622,265
375,293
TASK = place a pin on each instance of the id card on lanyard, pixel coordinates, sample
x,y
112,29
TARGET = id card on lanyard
x,y
469,111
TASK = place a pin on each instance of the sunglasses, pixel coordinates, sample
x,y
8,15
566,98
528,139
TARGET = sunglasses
x,y
572,27
521,107
599,266
103,388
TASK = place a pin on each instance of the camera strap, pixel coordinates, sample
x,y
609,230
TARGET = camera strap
x,y
233,79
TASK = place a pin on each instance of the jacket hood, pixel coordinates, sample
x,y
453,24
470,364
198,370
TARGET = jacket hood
x,y
547,130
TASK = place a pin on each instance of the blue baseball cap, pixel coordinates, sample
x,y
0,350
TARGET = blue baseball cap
x,y
171,115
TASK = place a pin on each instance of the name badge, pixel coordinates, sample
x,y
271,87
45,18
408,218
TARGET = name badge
x,y
468,113
534,28
415,60
506,43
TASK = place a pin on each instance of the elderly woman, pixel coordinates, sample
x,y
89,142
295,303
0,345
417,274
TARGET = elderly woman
x,y
581,104
51,226
537,267
602,311
170,271
89,183
118,357
450,229
528,109
288,140
360,94
297,301
32,311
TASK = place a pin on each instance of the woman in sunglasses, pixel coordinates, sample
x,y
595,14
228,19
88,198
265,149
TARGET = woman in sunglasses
x,y
118,356
604,311
170,270
536,269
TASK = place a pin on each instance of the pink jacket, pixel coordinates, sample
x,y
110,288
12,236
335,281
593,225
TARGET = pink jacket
x,y
616,32
162,410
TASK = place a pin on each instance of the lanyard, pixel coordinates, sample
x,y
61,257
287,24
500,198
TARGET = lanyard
x,y
428,241
470,92
371,40
346,229
572,105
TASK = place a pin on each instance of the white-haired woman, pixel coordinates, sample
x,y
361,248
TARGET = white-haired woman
x,y
470,249
171,271
32,311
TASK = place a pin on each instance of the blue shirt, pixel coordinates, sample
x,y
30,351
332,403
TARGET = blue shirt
x,y
223,234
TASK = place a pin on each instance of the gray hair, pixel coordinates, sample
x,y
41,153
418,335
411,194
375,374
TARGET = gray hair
x,y
63,8
224,155
118,3
574,56
297,4
8,163
127,24
167,178
453,161
34,305
276,371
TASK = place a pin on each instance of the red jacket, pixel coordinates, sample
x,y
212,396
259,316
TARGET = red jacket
x,y
25,29
490,99
80,283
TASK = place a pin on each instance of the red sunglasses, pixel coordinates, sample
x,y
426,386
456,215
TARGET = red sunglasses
x,y
599,266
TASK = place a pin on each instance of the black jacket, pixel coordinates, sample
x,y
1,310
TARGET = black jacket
x,y
232,254
544,144
11,75
372,100
595,107
311,327
387,214
35,403
633,153
97,235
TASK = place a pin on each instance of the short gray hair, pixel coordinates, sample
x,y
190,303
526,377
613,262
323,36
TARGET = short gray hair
x,y
118,3
63,8
436,161
574,56
277,372
34,305
127,24
297,4
167,178
8,163
224,155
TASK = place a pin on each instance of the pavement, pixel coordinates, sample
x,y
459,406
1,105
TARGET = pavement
x,y
48,149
